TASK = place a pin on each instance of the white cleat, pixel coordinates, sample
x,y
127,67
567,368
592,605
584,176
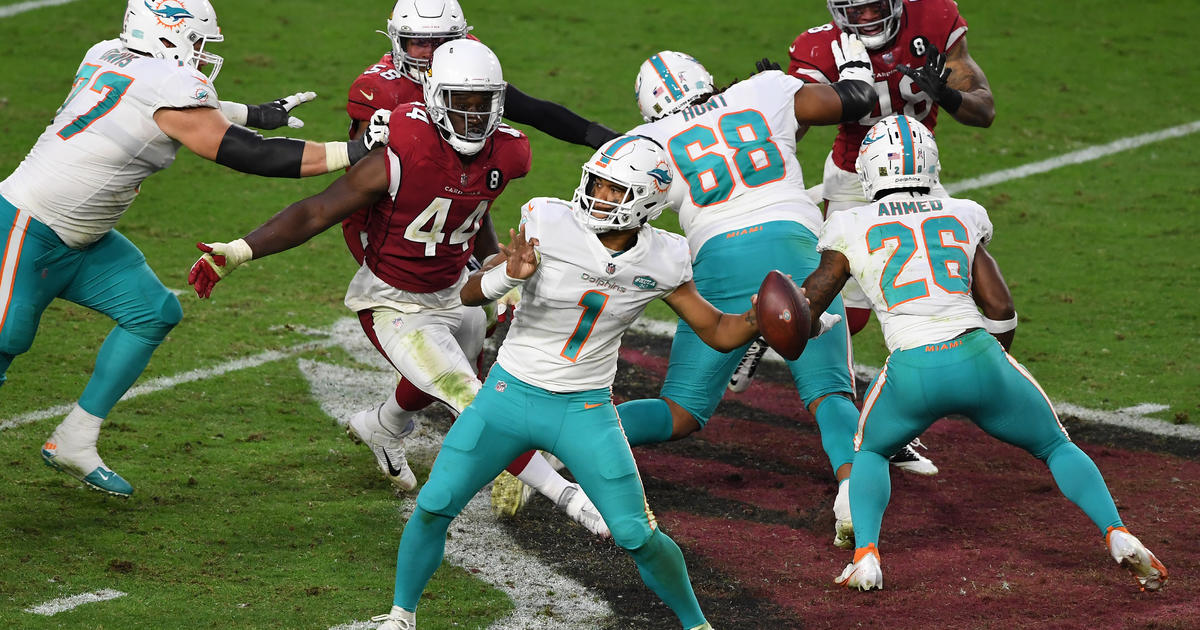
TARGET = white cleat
x,y
909,460
740,381
398,619
364,427
864,573
579,507
1126,549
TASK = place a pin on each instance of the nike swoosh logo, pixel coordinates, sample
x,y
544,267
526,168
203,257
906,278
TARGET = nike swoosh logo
x,y
792,48
592,405
391,469
370,96
104,476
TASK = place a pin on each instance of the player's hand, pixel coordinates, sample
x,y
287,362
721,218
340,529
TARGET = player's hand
x,y
764,64
217,261
378,132
277,113
932,78
523,258
375,136
853,62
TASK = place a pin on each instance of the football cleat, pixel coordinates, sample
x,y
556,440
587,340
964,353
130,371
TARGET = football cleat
x,y
740,380
1126,549
364,428
909,460
864,573
579,507
509,495
85,465
398,619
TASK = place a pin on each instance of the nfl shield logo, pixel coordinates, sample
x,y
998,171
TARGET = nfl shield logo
x,y
501,386
462,180
610,269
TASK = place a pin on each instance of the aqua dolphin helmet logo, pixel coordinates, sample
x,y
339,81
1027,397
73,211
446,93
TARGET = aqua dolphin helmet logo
x,y
661,175
168,14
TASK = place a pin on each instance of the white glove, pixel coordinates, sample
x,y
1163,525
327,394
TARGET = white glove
x,y
853,62
218,260
828,321
377,133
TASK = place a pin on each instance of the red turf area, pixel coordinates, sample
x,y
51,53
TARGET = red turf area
x,y
988,543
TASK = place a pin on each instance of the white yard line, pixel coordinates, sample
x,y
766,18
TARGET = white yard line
x,y
63,604
169,382
21,7
1075,157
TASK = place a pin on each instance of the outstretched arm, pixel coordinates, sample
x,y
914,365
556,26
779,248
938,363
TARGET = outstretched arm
x,y
515,263
365,183
209,134
993,297
824,283
554,120
721,331
850,98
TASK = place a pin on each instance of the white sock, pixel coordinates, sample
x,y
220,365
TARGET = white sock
x,y
841,504
541,476
396,420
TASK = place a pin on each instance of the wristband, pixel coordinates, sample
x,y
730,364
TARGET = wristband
x,y
951,100
495,283
997,326
237,113
337,156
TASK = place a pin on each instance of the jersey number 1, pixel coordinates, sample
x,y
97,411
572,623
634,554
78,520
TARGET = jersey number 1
x,y
593,303
116,86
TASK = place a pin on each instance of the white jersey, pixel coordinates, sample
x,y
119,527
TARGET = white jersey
x,y
912,255
735,157
576,307
86,167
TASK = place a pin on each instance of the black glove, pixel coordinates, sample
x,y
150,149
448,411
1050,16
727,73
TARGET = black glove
x,y
277,113
764,64
931,78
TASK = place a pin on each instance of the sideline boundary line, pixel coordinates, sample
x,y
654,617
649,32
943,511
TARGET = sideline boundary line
x,y
22,7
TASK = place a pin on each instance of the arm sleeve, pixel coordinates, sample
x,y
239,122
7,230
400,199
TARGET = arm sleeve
x,y
553,119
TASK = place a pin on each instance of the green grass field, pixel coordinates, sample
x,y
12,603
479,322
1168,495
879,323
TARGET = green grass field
x,y
253,511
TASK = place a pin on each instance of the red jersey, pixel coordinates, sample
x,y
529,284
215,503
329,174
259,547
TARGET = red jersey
x,y
922,22
381,86
420,236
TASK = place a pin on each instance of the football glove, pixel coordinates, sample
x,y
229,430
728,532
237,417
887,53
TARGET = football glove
x,y
764,64
828,321
931,78
374,137
277,113
217,261
853,62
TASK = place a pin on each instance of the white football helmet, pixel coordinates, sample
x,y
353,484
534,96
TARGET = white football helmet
x,y
459,69
888,22
173,29
635,163
435,20
898,152
668,82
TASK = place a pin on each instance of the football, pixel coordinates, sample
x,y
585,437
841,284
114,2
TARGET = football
x,y
783,315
